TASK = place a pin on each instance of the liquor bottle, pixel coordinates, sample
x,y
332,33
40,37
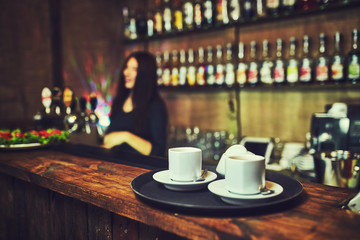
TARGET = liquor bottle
x,y
266,65
132,25
150,24
158,18
182,68
322,62
288,6
306,4
261,8
234,10
178,16
200,68
222,16
278,71
198,13
306,63
249,9
337,61
166,76
219,67
167,17
353,59
292,65
208,16
242,66
229,66
191,70
210,68
159,69
126,21
141,24
273,7
253,72
175,68
188,15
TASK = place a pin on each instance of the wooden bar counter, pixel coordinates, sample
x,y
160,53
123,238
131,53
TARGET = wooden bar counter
x,y
52,194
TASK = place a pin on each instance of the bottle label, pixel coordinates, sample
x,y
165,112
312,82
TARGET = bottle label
x,y
210,75
230,74
354,68
200,76
279,72
219,76
178,21
305,71
322,70
182,76
253,73
175,77
241,73
337,69
265,72
191,76
292,71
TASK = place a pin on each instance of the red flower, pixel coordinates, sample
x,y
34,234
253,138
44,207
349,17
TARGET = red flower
x,y
19,134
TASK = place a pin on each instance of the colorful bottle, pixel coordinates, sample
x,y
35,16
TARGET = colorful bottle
x,y
188,15
209,12
200,68
292,65
158,18
266,65
229,66
198,13
306,63
222,16
253,72
261,8
166,69
210,68
278,71
159,69
242,66
353,59
234,10
178,16
273,7
191,70
219,67
337,61
182,69
249,9
288,6
175,68
322,62
167,17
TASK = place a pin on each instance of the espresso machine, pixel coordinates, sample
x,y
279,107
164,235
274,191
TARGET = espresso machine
x,y
335,145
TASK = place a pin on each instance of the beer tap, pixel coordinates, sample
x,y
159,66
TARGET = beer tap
x,y
84,116
71,120
46,99
94,119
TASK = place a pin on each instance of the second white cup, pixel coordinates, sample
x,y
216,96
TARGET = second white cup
x,y
244,174
185,163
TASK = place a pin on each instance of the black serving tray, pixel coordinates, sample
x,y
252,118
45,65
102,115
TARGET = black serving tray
x,y
204,202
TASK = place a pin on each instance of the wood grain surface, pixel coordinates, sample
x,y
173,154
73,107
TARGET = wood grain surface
x,y
106,186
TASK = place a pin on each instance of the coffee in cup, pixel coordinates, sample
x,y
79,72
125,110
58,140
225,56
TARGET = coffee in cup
x,y
185,163
244,173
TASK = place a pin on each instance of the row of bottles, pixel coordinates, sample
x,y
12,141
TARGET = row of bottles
x,y
63,110
171,16
216,67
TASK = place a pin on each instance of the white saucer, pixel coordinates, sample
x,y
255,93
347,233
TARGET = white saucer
x,y
163,177
218,188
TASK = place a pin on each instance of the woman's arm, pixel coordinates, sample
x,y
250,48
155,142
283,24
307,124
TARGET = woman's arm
x,y
139,144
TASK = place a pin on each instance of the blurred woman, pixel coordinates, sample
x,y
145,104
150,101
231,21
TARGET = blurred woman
x,y
138,116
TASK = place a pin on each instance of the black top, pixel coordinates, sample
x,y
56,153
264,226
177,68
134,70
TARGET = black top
x,y
154,130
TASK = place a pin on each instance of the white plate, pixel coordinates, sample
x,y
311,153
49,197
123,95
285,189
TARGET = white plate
x,y
164,178
218,188
22,146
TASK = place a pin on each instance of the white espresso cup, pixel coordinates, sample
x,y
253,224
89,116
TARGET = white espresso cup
x,y
185,163
244,173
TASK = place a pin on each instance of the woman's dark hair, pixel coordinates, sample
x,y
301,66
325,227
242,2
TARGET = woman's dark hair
x,y
145,88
